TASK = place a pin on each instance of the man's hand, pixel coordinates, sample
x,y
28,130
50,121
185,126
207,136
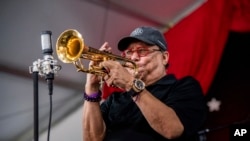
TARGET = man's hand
x,y
93,81
118,75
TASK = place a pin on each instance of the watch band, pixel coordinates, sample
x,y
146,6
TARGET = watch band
x,y
133,93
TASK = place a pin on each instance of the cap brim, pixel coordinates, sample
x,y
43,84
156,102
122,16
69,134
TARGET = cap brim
x,y
125,42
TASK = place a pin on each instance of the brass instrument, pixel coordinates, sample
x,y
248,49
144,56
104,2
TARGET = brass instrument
x,y
70,48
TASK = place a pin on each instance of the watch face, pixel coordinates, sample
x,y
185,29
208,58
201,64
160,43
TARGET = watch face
x,y
139,84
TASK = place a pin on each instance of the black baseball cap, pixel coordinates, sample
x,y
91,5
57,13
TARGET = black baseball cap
x,y
149,35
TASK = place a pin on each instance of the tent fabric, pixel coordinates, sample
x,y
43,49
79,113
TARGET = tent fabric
x,y
197,42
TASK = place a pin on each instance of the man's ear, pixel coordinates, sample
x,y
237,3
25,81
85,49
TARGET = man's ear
x,y
165,56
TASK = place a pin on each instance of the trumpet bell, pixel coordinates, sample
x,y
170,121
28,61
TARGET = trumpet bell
x,y
70,46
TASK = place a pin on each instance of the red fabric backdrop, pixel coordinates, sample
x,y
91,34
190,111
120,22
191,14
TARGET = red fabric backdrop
x,y
196,43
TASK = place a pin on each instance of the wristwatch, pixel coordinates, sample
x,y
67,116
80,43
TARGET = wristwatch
x,y
137,87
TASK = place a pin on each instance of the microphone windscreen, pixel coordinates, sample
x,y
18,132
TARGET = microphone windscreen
x,y
46,42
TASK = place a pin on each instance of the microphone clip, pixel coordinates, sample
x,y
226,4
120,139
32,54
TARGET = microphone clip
x,y
45,67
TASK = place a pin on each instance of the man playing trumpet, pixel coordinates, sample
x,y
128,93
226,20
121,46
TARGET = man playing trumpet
x,y
154,106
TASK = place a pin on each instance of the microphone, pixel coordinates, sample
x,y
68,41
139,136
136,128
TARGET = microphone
x,y
48,58
49,67
46,42
47,52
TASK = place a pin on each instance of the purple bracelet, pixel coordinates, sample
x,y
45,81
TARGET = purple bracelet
x,y
95,97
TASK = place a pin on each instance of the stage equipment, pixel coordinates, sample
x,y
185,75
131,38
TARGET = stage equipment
x,y
46,67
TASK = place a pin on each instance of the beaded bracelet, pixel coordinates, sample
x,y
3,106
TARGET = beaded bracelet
x,y
95,97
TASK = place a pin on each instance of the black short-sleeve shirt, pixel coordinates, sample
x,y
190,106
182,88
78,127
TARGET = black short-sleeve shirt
x,y
125,122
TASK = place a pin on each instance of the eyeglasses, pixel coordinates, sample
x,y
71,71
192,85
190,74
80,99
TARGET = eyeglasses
x,y
141,51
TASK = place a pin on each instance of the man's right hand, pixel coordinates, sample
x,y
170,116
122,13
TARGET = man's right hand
x,y
93,81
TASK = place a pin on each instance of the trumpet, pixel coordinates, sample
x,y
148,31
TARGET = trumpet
x,y
70,48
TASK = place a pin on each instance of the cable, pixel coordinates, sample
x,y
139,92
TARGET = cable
x,y
49,79
50,117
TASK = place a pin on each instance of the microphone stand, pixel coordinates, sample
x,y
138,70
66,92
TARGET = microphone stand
x,y
35,95
44,67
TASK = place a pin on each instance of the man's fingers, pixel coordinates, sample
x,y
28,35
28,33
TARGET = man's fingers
x,y
105,47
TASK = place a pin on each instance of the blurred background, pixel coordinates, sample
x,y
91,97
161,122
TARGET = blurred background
x,y
21,24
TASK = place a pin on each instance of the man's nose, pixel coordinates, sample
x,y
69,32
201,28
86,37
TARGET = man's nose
x,y
135,56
